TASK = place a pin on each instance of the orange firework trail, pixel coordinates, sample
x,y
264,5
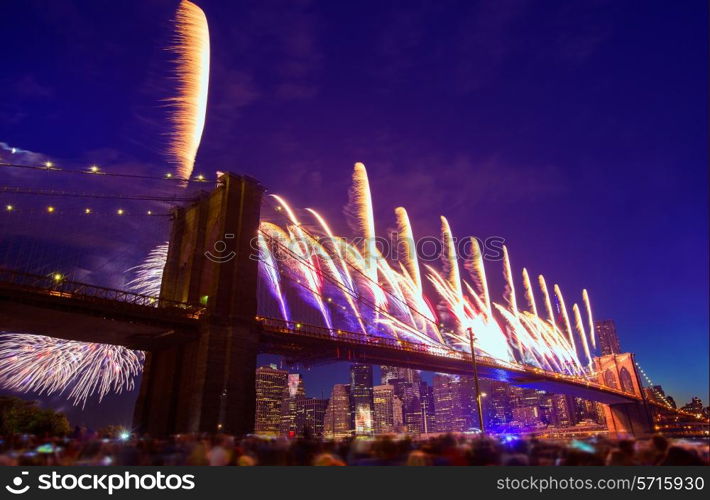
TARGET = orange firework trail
x,y
580,330
509,285
546,297
590,320
529,292
478,271
405,237
451,265
192,47
565,316
361,209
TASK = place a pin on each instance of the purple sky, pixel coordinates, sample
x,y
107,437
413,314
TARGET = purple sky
x,y
574,130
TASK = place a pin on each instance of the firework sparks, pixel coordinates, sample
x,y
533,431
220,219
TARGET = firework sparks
x,y
590,319
45,365
192,48
335,278
529,296
478,272
148,275
579,325
509,285
565,316
405,237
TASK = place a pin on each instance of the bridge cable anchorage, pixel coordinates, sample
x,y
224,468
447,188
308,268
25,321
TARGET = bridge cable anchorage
x,y
96,171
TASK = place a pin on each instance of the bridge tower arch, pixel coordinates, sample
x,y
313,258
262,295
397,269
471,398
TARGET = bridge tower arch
x,y
208,384
618,371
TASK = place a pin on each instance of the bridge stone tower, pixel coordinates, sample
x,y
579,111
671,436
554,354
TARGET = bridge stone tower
x,y
208,384
619,372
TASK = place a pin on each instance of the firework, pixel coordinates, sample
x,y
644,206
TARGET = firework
x,y
590,320
192,49
546,297
148,275
336,279
529,296
509,285
579,325
364,220
565,316
478,271
405,237
451,266
45,365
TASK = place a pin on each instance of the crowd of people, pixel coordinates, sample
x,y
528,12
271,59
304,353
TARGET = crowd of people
x,y
82,448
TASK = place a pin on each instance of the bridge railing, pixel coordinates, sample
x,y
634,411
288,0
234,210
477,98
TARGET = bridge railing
x,y
60,287
314,331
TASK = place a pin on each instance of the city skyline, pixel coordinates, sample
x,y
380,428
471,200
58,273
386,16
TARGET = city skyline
x,y
403,402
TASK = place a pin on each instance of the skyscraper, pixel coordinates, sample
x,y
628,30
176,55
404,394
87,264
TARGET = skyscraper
x,y
338,420
361,397
270,387
384,409
455,403
310,416
293,392
389,373
443,402
563,410
426,401
607,337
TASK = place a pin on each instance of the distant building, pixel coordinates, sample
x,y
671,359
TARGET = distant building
x,y
338,418
528,416
695,406
607,337
428,408
270,387
361,397
499,403
455,403
385,408
563,410
389,373
310,416
408,393
444,402
293,392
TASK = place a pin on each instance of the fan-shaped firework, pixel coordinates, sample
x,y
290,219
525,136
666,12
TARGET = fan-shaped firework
x,y
45,365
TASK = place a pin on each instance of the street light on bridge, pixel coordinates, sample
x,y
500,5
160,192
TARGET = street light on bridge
x,y
479,405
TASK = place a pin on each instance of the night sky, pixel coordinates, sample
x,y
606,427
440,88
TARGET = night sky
x,y
576,131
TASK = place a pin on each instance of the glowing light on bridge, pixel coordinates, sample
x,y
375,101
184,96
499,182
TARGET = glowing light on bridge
x,y
45,365
192,46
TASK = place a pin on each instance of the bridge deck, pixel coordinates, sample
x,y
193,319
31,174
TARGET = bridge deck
x,y
78,311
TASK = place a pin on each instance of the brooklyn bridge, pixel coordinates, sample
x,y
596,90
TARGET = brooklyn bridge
x,y
217,310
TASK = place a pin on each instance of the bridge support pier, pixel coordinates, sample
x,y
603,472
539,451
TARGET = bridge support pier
x,y
631,419
618,371
208,384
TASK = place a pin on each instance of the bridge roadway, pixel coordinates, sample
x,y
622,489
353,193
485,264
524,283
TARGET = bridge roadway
x,y
77,311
